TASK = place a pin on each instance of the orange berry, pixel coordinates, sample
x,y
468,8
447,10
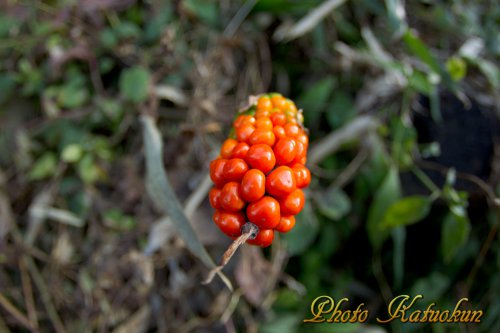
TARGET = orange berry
x,y
235,169
230,198
214,197
264,238
279,132
229,223
292,130
302,175
280,182
285,150
278,119
264,213
227,148
264,123
244,132
293,203
286,224
261,156
253,185
240,150
217,171
279,102
262,136
264,103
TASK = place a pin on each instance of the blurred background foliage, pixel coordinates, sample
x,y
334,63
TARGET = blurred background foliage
x,y
404,202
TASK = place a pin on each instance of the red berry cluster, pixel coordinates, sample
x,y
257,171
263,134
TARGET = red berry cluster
x,y
261,170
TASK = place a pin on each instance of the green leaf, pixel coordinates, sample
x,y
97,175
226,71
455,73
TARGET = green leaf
x,y
162,194
303,234
44,167
407,211
88,170
455,232
315,100
134,84
117,219
284,323
206,10
72,153
457,68
419,49
341,110
333,203
7,84
388,193
399,239
395,9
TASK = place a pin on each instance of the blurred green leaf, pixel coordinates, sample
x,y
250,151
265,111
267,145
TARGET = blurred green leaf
x,y
163,195
399,239
455,232
72,96
457,68
315,99
341,110
419,49
421,83
206,10
407,211
327,327
284,323
333,203
396,13
7,84
7,23
134,84
117,219
432,286
44,167
287,299
303,234
388,193
88,170
72,153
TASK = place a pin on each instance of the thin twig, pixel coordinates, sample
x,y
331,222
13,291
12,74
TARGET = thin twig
x,y
249,232
354,130
490,194
28,293
45,296
15,312
346,175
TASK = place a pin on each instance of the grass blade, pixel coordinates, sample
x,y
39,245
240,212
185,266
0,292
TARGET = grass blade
x,y
163,195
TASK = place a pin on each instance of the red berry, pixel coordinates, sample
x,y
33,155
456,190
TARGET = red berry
x,y
280,182
253,185
302,175
229,223
265,212
244,132
235,169
227,148
240,150
278,118
230,198
261,156
217,171
292,130
264,238
285,151
293,203
262,136
286,224
214,197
